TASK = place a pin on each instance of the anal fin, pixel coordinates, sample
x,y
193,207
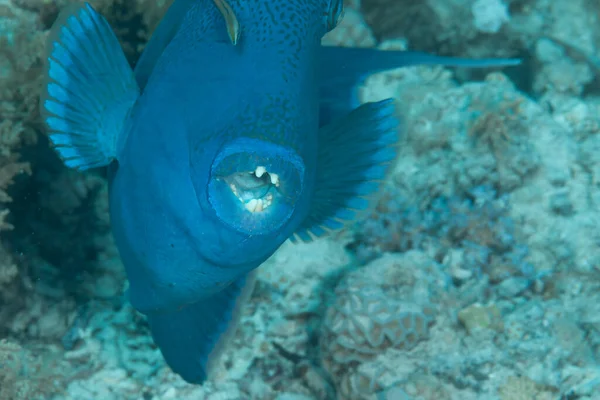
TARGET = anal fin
x,y
192,338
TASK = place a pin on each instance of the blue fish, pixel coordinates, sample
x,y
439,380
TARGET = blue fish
x,y
235,131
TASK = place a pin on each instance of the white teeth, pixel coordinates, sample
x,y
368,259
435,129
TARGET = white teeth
x,y
260,171
251,205
258,205
274,179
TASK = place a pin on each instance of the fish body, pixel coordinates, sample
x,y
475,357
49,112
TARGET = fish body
x,y
236,131
253,94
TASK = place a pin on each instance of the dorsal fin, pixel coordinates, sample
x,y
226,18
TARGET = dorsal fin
x,y
168,28
160,39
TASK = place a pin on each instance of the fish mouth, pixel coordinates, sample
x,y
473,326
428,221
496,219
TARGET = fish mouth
x,y
254,189
254,186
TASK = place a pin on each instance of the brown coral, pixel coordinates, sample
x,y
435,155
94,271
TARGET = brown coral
x,y
364,322
27,374
22,49
18,96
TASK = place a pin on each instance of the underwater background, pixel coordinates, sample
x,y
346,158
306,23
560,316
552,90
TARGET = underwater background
x,y
477,276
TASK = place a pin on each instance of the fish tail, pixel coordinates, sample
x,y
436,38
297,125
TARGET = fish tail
x,y
345,69
89,89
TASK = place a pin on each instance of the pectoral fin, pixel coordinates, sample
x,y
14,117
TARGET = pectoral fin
x,y
355,155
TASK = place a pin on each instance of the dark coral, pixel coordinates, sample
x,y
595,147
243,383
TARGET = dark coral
x,y
478,223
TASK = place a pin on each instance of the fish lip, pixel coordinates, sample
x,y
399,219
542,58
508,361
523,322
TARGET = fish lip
x,y
247,155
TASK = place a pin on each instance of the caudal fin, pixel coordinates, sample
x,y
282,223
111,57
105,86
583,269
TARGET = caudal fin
x,y
89,89
343,70
192,338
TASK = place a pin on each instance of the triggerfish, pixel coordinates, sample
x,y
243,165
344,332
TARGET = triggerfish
x,y
235,131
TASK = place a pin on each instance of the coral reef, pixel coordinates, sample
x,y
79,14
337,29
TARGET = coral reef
x,y
28,374
371,315
17,105
476,276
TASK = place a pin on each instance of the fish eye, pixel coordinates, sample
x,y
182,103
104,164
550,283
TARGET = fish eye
x,y
334,14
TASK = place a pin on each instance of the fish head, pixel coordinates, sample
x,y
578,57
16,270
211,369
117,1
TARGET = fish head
x,y
184,235
251,167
